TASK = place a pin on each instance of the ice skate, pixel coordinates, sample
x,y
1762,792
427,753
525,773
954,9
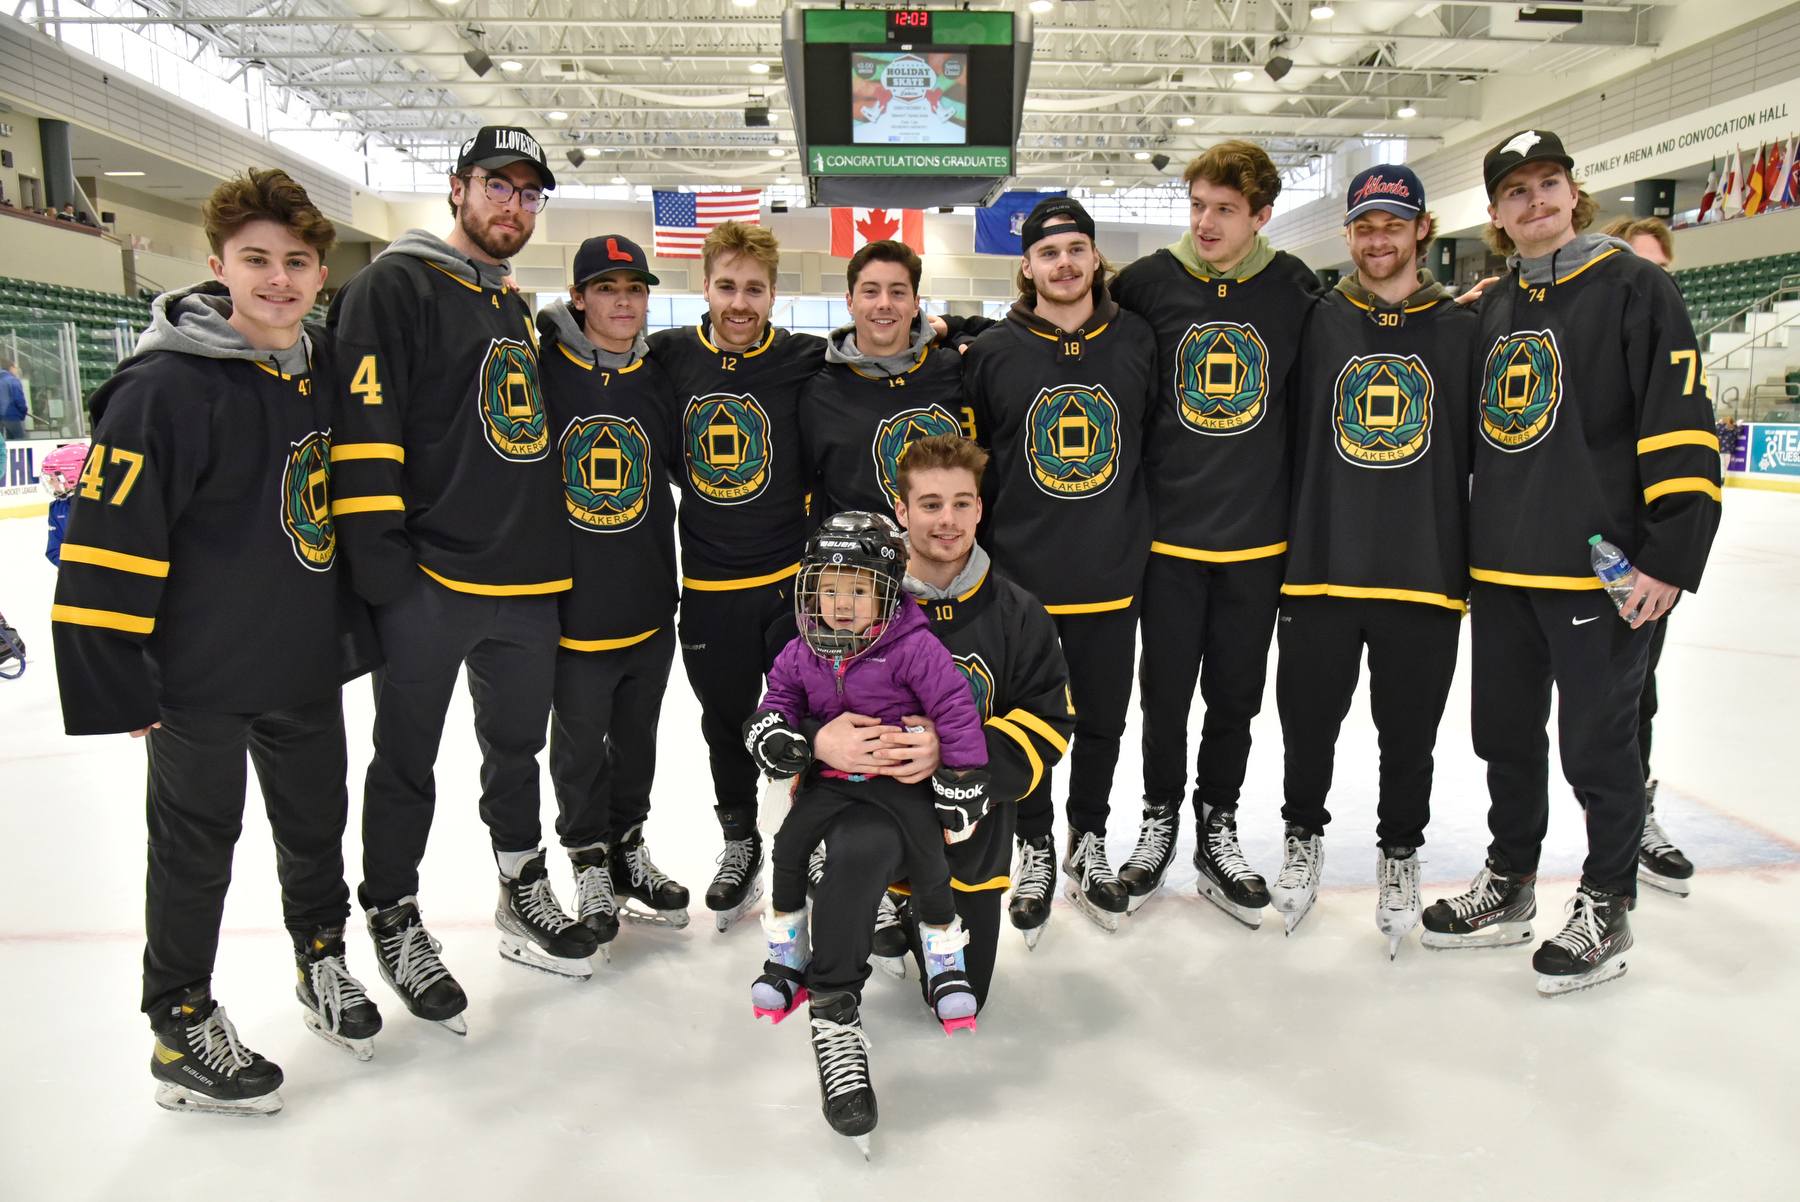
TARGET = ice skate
x,y
1092,888
1225,877
338,1010
842,1052
738,884
596,907
645,893
947,988
1663,865
1142,874
1396,893
889,947
200,1065
408,957
1034,880
1495,912
782,986
535,932
1590,950
1296,888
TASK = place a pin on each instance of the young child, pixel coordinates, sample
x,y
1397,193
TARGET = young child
x,y
864,648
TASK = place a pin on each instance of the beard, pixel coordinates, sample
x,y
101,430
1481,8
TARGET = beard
x,y
495,244
1402,268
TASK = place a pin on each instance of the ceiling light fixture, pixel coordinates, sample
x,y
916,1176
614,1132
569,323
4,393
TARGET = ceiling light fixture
x,y
1041,6
1627,198
1407,110
121,174
1184,122
782,179
1106,183
618,179
776,152
557,115
1141,155
744,3
1244,75
1323,12
759,68
512,64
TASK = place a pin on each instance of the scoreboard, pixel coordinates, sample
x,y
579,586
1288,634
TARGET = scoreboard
x,y
906,108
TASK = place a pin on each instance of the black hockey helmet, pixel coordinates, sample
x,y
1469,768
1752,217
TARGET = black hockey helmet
x,y
857,542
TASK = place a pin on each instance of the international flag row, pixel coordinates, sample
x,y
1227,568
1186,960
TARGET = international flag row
x,y
1770,181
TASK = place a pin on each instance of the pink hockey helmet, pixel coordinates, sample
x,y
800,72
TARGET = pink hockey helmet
x,y
60,470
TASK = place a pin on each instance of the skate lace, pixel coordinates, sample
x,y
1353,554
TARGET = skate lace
x,y
734,862
593,893
538,904
643,869
1582,931
1482,894
215,1043
1226,853
1299,861
1155,836
1036,870
334,988
843,1060
1399,888
412,955
1654,841
1090,860
887,915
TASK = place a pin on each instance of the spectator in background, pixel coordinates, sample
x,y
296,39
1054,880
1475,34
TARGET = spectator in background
x,y
13,410
67,213
1648,236
1729,433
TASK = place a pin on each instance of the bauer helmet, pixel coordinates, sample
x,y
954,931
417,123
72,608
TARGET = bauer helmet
x,y
60,470
850,542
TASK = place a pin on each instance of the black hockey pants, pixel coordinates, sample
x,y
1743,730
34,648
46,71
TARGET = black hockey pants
x,y
603,737
196,813
729,639
1098,648
1647,698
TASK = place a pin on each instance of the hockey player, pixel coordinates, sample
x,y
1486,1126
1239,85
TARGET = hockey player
x,y
1593,420
610,412
451,506
200,607
1227,309
1061,389
884,386
1377,550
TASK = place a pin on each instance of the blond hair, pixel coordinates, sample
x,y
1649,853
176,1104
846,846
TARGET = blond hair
x,y
1586,209
1627,228
736,238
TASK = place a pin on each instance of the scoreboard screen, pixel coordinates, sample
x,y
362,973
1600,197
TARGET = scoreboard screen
x,y
909,96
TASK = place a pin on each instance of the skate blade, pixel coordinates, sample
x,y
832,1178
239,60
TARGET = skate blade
x,y
1393,947
953,1025
1134,904
1032,935
1106,920
527,954
1501,934
1548,986
1291,919
632,911
1244,914
862,1144
362,1049
180,1098
456,1024
725,918
893,966
1673,886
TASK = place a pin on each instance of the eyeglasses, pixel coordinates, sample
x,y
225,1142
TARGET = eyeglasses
x,y
500,190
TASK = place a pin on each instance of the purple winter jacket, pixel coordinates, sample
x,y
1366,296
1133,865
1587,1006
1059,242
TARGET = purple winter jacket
x,y
906,671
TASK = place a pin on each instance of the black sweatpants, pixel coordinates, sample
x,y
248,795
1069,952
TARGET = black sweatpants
x,y
729,640
1525,640
196,813
603,737
1412,658
1647,698
817,805
1098,648
509,645
1211,622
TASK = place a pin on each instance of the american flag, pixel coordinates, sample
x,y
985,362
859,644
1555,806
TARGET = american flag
x,y
684,218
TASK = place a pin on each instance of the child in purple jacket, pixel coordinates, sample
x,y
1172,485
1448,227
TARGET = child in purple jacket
x,y
866,648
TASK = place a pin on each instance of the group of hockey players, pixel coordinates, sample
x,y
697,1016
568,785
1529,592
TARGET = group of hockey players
x,y
1197,455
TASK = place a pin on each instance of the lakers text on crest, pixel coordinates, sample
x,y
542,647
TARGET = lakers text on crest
x,y
606,472
512,407
1221,378
1072,440
306,501
894,434
1382,406
728,448
1521,389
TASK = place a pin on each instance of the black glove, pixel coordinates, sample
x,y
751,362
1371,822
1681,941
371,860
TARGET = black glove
x,y
777,748
961,800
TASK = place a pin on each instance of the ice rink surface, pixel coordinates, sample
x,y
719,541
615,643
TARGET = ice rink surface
x,y
1183,1056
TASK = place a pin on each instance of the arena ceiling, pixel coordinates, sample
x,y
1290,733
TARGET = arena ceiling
x,y
655,91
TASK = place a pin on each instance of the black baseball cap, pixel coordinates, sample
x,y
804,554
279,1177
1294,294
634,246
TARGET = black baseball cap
x,y
1053,209
1526,146
1388,187
496,146
611,252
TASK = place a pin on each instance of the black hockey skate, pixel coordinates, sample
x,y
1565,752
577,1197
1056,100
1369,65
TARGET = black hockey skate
x,y
1225,877
595,906
1495,912
1142,873
338,1010
12,651
1296,887
199,1065
889,948
1092,888
842,1052
1664,866
535,932
408,957
1591,948
1034,880
645,892
738,884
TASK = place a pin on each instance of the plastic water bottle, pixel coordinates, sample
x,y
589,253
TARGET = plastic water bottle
x,y
1616,574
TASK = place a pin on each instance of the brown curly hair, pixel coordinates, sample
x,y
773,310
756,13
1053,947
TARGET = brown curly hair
x,y
266,194
1238,164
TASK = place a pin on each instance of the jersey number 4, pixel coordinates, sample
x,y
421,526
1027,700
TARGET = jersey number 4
x,y
93,476
364,382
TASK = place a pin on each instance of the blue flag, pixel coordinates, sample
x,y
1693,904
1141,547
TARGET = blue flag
x,y
997,226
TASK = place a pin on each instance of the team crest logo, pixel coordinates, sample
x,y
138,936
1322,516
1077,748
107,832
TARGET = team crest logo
x,y
512,408
306,501
900,431
606,473
1382,405
728,449
1520,389
981,682
1072,440
1221,378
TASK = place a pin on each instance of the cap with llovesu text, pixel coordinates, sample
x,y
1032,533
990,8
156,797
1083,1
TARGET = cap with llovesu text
x,y
611,252
1053,210
1388,187
1526,146
497,146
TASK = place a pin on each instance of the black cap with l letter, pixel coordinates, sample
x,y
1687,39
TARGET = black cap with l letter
x,y
611,252
1526,146
497,146
1059,210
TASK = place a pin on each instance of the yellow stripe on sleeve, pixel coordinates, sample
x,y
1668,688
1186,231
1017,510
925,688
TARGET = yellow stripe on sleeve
x,y
106,618
100,557
1679,438
345,505
1044,730
1024,740
1683,484
368,450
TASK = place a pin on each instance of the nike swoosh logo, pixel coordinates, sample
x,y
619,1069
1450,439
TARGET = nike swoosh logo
x,y
1582,621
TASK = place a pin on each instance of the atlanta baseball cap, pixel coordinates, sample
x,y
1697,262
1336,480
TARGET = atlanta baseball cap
x,y
1388,187
611,252
1526,146
1061,209
495,146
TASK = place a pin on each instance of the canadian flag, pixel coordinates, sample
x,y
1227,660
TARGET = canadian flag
x,y
851,229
